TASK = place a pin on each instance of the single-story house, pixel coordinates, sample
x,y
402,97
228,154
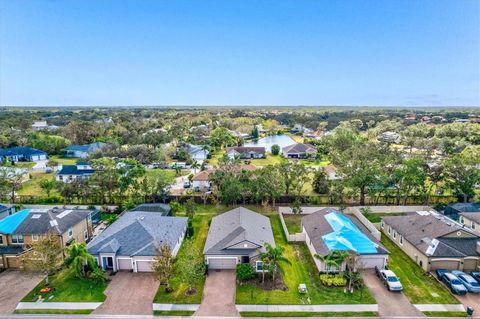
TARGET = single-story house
x,y
389,137
22,153
201,181
453,210
69,173
471,220
299,150
328,229
237,236
434,241
83,151
197,153
245,152
20,229
132,241
331,172
42,125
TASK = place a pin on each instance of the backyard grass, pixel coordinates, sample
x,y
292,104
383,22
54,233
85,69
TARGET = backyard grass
x,y
418,286
377,217
203,215
64,160
301,270
293,223
439,314
24,164
296,138
55,311
68,288
32,186
268,160
308,314
183,313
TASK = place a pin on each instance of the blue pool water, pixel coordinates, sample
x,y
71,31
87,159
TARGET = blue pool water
x,y
10,223
347,236
268,141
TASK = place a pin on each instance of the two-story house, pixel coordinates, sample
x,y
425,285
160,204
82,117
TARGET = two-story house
x,y
19,230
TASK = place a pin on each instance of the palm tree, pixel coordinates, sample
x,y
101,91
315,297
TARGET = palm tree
x,y
79,259
334,258
271,259
195,166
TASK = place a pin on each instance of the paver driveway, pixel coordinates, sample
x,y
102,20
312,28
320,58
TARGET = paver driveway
x,y
14,285
129,294
219,295
389,303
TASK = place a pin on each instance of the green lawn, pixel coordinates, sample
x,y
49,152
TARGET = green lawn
x,y
293,223
32,187
201,219
418,286
183,313
308,314
68,288
377,217
54,311
301,270
268,160
24,164
64,160
438,314
170,173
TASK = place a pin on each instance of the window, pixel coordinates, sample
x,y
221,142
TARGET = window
x,y
389,229
1,239
85,234
17,239
462,220
394,234
70,232
34,237
259,266
473,225
401,240
383,224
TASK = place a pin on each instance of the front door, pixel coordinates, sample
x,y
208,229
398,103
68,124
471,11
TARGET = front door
x,y
107,262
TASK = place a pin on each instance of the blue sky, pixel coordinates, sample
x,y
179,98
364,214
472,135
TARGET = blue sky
x,y
240,52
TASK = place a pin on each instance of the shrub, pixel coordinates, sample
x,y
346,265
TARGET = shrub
x,y
245,272
275,149
190,230
97,275
333,280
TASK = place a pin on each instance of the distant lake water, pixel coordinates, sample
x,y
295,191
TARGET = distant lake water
x,y
267,142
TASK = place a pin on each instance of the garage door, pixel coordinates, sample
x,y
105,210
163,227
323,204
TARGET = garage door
x,y
144,266
368,262
445,264
222,263
124,264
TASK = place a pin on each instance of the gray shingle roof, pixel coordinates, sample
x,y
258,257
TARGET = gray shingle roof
x,y
56,220
139,233
299,148
472,216
231,231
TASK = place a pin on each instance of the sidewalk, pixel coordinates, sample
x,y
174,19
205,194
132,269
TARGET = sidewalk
x,y
440,307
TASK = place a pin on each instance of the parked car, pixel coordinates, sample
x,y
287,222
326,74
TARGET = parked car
x,y
389,279
476,275
455,285
186,185
440,273
468,281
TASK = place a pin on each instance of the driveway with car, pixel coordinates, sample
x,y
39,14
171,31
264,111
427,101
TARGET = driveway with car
x,y
219,295
389,303
129,294
14,285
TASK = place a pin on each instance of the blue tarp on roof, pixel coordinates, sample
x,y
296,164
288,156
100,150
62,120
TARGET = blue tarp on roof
x,y
347,236
10,223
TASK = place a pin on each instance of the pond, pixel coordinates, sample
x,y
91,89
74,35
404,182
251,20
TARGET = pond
x,y
268,141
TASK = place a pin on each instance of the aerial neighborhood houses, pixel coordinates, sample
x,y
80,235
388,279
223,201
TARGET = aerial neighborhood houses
x,y
434,241
19,230
237,237
83,151
299,150
69,173
133,241
42,125
22,153
245,152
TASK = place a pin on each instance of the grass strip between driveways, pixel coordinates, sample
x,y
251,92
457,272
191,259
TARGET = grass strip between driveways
x,y
438,314
419,286
308,314
183,313
55,311
301,269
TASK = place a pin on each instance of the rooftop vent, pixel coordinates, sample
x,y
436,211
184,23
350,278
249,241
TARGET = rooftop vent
x,y
36,216
53,223
64,213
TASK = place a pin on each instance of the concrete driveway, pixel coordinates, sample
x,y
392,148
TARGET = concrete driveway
x,y
129,294
390,304
219,295
471,300
14,285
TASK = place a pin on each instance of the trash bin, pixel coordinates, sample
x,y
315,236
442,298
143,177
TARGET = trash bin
x,y
470,311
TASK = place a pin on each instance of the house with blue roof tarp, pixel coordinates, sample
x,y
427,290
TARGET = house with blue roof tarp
x,y
22,153
19,230
83,151
328,230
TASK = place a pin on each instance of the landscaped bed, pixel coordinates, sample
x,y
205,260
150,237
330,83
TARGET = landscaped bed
x,y
68,288
308,314
301,270
418,286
